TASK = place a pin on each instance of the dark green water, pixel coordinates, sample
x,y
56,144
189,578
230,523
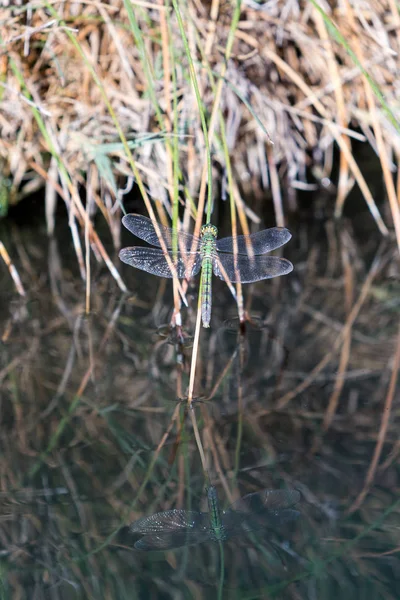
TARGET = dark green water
x,y
88,443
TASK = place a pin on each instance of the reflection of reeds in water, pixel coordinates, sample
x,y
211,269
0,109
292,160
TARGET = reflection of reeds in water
x,y
91,440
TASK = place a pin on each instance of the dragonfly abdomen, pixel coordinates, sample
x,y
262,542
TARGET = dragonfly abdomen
x,y
208,251
206,291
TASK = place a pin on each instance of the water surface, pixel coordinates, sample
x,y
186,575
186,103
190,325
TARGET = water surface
x,y
294,401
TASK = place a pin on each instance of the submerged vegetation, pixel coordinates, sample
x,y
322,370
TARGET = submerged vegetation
x,y
94,439
116,407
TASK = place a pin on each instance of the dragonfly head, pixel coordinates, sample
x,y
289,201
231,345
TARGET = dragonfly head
x,y
209,229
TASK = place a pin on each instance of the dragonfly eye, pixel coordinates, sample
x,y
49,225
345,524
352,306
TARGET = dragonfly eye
x,y
209,229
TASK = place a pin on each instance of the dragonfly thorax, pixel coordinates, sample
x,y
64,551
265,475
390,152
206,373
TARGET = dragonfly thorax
x,y
218,534
208,244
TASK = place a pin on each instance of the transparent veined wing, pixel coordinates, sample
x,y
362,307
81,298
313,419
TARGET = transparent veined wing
x,y
171,529
268,508
249,269
169,521
239,523
143,228
153,261
236,523
273,500
168,541
260,242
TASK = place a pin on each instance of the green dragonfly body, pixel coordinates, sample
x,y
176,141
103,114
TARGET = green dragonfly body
x,y
170,529
208,250
217,529
191,254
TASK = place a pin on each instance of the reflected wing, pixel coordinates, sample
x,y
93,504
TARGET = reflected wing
x,y
168,541
271,500
235,522
171,521
268,508
143,228
257,243
153,261
249,269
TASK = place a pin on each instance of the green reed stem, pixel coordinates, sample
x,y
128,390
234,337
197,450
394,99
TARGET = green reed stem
x,y
200,106
221,570
175,147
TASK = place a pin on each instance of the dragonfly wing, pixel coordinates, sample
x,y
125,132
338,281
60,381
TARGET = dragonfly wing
x,y
257,243
171,521
235,522
168,541
265,509
270,500
143,228
249,269
152,260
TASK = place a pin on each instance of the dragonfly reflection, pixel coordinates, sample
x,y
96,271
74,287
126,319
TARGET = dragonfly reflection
x,y
206,253
175,336
170,529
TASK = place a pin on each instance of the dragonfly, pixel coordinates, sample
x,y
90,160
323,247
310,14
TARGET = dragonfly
x,y
176,528
207,253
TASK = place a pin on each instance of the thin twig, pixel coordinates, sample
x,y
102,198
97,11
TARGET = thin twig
x,y
386,413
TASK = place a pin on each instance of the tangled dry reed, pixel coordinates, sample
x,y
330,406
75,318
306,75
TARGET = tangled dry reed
x,y
77,77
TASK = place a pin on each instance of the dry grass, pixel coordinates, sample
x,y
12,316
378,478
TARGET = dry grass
x,y
78,61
